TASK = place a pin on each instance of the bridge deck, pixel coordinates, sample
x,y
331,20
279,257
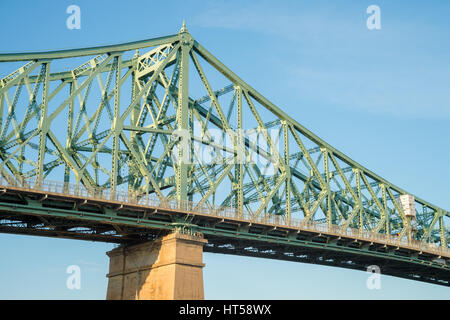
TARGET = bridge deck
x,y
228,230
232,215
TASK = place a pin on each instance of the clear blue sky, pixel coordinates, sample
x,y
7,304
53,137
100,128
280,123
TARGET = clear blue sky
x,y
382,97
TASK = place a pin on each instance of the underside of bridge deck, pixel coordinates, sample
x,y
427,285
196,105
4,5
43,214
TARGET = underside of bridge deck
x,y
68,217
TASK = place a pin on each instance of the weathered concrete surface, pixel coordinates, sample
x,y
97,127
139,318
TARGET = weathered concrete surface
x,y
169,268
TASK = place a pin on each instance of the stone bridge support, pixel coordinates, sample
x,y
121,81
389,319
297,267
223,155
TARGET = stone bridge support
x,y
169,268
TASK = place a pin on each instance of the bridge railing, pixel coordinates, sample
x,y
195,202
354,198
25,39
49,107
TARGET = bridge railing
x,y
126,197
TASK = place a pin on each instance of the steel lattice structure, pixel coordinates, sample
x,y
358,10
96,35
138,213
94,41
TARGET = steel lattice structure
x,y
115,118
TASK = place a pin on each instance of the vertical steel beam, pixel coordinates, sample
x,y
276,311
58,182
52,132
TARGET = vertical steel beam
x,y
69,131
191,174
134,118
183,113
385,211
442,230
44,125
240,155
327,180
358,190
288,171
115,127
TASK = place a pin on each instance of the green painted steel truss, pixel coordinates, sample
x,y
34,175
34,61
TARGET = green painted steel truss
x,y
165,117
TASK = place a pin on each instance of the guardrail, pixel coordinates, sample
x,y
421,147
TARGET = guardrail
x,y
224,212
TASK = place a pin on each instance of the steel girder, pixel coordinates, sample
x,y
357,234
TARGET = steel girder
x,y
50,214
105,118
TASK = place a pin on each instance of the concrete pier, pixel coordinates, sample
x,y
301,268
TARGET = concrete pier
x,y
169,268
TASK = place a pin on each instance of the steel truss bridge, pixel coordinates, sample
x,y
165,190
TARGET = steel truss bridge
x,y
150,136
